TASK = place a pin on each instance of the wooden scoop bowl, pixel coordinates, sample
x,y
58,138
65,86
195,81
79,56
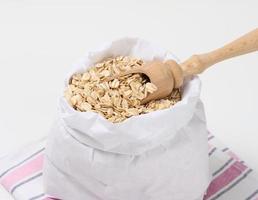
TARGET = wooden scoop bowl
x,y
168,75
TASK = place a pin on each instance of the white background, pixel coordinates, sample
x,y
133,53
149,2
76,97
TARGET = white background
x,y
40,40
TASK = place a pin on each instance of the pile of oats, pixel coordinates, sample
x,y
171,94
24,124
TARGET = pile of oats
x,y
117,99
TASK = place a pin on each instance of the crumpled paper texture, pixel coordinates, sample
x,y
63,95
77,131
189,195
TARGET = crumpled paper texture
x,y
162,155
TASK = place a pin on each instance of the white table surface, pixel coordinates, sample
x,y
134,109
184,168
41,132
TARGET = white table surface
x,y
40,40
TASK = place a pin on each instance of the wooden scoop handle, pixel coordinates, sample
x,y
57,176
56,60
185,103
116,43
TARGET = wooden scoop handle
x,y
198,63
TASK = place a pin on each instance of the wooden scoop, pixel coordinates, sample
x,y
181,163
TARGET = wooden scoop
x,y
168,75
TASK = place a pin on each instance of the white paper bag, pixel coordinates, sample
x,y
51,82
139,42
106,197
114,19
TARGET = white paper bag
x,y
162,155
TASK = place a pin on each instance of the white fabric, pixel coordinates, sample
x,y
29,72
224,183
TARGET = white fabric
x,y
161,155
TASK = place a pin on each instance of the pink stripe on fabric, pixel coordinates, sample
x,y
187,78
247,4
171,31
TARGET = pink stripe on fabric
x,y
225,178
29,168
49,197
233,155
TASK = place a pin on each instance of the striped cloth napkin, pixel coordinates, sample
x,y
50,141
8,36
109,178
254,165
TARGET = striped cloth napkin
x,y
21,174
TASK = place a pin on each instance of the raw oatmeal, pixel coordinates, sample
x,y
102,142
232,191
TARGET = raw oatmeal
x,y
117,99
